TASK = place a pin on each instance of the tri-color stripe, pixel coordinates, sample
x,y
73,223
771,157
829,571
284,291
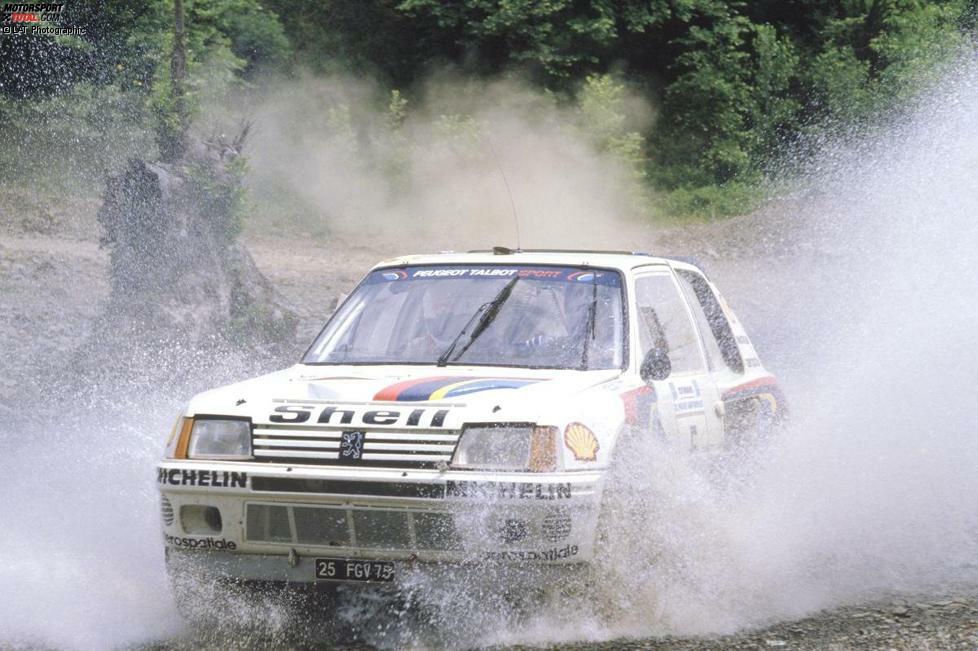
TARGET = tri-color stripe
x,y
765,388
442,387
638,406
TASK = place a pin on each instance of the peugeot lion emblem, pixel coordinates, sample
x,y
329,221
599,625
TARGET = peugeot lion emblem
x,y
351,446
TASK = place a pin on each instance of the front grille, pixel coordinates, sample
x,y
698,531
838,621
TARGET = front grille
x,y
358,528
343,487
294,444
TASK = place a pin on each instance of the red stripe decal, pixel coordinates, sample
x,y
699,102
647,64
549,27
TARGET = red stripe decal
x,y
632,401
768,381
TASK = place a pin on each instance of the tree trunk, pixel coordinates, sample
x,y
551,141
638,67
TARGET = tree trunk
x,y
173,137
182,288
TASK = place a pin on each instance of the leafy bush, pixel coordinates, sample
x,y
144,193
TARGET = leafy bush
x,y
601,106
69,142
711,201
735,83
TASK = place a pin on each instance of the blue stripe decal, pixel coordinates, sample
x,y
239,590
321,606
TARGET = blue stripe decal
x,y
487,385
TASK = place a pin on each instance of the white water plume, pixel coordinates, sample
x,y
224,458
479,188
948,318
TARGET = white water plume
x,y
872,491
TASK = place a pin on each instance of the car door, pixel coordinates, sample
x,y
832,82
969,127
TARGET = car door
x,y
749,392
688,400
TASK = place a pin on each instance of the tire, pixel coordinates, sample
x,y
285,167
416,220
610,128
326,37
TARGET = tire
x,y
626,545
750,431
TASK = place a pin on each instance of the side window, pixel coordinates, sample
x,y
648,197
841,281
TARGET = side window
x,y
664,321
720,340
714,358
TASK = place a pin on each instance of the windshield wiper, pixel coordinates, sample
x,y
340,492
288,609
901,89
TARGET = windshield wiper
x,y
592,313
488,311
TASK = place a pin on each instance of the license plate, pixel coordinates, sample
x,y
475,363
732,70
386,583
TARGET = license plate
x,y
344,569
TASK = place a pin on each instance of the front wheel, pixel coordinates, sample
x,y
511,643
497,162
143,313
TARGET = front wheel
x,y
628,543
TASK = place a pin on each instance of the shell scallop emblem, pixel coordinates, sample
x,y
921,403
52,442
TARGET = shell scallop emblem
x,y
581,441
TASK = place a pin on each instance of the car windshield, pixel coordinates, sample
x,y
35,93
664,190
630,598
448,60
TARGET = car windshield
x,y
486,315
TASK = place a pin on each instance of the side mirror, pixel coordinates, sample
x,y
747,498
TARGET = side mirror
x,y
656,365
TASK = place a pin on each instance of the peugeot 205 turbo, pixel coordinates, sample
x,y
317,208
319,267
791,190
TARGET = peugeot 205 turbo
x,y
458,410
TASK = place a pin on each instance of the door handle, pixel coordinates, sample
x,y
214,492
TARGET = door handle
x,y
720,408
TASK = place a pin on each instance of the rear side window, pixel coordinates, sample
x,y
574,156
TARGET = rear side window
x,y
663,321
711,319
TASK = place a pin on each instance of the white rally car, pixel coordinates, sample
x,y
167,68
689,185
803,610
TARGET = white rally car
x,y
458,409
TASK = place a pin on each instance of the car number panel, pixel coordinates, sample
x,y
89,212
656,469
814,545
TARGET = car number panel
x,y
346,569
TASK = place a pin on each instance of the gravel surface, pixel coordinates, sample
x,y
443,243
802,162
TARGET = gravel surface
x,y
948,623
925,624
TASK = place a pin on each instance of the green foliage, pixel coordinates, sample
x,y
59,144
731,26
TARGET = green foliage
x,y
254,318
710,201
603,116
728,105
733,82
254,33
92,100
707,103
365,37
396,110
736,81
879,54
394,164
218,193
463,130
226,40
559,40
68,142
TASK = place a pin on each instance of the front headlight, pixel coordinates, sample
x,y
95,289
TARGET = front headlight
x,y
507,447
214,438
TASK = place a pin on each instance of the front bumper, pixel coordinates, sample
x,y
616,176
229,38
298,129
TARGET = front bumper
x,y
298,570
273,517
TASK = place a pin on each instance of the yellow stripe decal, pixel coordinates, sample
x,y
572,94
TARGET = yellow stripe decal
x,y
440,393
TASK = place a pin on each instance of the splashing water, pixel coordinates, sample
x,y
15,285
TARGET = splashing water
x,y
872,490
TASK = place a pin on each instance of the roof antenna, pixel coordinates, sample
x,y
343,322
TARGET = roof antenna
x,y
512,204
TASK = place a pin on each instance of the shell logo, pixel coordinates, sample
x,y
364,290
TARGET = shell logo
x,y
582,442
